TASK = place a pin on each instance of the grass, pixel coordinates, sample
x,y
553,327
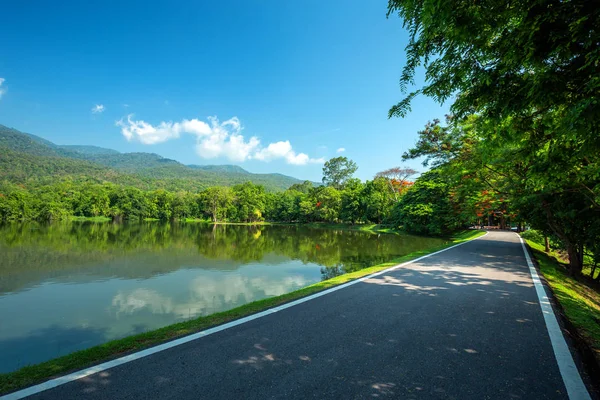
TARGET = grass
x,y
33,374
580,301
93,219
327,225
374,228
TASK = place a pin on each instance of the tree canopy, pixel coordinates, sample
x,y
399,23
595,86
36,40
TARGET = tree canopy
x,y
504,59
523,84
337,171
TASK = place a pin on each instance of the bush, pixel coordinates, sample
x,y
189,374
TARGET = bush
x,y
534,236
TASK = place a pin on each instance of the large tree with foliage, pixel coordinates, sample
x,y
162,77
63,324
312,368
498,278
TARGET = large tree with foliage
x,y
215,202
491,175
352,206
249,202
428,207
528,70
397,179
505,58
530,66
337,171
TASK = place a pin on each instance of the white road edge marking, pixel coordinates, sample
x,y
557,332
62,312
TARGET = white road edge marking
x,y
576,389
165,346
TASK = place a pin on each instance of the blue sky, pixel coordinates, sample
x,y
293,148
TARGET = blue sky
x,y
271,85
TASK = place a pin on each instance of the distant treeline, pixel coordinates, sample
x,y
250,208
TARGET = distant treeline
x,y
427,207
356,202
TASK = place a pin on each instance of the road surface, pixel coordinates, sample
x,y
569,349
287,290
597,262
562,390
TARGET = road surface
x,y
462,324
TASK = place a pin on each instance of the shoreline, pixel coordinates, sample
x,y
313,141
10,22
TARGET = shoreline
x,y
338,225
374,228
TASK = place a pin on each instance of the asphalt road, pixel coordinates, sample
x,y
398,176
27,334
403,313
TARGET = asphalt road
x,y
462,324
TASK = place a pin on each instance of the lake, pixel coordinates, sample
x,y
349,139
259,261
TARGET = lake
x,y
69,286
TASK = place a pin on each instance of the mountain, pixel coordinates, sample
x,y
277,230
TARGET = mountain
x,y
26,143
89,150
220,168
25,158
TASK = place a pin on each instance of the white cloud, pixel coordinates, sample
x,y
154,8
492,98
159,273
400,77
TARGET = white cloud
x,y
2,90
223,139
146,133
340,150
97,109
214,139
206,294
274,150
284,150
196,127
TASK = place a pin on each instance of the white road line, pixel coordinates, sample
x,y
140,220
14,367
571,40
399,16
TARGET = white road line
x,y
165,346
571,378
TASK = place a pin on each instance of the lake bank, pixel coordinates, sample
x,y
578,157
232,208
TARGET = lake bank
x,y
384,228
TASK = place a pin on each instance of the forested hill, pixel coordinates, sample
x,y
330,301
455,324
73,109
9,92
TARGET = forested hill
x,y
28,158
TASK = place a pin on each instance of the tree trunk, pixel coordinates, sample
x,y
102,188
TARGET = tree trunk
x,y
393,190
575,259
546,244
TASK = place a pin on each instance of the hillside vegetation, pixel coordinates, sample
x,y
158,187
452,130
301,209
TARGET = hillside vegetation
x,y
29,159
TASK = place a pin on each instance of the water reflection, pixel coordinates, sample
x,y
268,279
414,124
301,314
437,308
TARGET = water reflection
x,y
69,286
207,294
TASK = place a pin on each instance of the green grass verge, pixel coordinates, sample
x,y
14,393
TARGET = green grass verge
x,y
199,220
580,302
93,219
33,374
325,225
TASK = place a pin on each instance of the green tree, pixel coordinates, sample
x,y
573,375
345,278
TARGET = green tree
x,y
528,70
352,206
327,203
544,51
249,202
284,206
303,187
377,200
397,179
127,203
15,204
215,201
427,207
337,171
161,204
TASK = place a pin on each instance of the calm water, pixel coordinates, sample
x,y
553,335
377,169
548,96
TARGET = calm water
x,y
65,287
